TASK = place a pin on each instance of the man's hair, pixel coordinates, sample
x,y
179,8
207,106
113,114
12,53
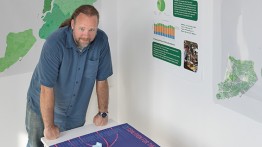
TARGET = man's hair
x,y
88,10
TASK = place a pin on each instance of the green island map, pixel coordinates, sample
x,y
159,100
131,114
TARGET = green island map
x,y
18,44
240,77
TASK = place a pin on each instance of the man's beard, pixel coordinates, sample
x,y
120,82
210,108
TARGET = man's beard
x,y
82,45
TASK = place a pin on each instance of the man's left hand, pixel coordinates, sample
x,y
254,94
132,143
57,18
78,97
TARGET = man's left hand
x,y
100,121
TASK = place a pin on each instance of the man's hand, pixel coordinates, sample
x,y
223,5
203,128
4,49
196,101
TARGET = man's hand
x,y
51,132
100,121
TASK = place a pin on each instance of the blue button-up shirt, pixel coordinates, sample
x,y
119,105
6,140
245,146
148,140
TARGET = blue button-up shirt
x,y
71,73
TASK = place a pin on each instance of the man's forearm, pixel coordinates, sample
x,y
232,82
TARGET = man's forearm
x,y
47,103
102,91
47,106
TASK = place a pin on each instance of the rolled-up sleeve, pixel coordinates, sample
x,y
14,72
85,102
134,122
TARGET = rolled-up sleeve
x,y
49,65
105,62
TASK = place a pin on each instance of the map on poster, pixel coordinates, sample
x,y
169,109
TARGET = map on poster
x,y
122,135
237,61
241,45
25,25
176,34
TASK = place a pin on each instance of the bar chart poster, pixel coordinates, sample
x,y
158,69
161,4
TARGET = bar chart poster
x,y
122,135
164,30
176,35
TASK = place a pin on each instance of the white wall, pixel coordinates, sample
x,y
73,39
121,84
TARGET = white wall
x,y
12,109
154,98
146,92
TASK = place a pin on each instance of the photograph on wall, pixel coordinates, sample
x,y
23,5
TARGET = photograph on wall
x,y
190,55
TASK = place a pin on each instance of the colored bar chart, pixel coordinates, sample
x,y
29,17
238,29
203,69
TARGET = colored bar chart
x,y
164,30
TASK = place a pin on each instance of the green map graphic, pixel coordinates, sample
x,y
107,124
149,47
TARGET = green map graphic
x,y
240,77
18,44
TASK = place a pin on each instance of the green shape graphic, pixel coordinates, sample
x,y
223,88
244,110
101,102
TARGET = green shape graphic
x,y
18,45
161,5
240,77
47,5
52,21
68,6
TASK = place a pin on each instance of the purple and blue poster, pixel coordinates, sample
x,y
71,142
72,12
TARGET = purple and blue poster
x,y
122,135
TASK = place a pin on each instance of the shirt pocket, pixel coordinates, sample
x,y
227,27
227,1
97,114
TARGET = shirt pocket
x,y
91,68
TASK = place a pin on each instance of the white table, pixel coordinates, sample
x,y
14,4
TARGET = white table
x,y
86,129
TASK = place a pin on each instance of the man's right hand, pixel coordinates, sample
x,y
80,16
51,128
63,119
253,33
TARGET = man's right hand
x,y
51,132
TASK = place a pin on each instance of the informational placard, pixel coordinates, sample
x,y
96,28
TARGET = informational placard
x,y
176,34
122,135
167,53
187,9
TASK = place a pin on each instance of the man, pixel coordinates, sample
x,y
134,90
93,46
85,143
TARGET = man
x,y
73,58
